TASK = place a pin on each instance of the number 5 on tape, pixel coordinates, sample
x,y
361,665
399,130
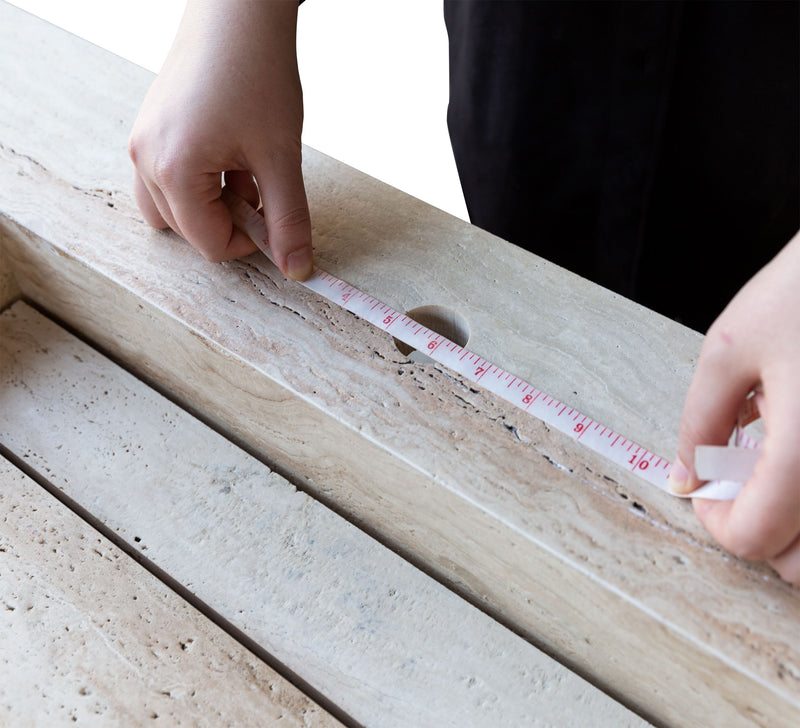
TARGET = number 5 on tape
x,y
519,393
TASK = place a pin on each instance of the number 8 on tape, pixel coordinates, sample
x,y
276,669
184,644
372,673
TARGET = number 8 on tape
x,y
519,393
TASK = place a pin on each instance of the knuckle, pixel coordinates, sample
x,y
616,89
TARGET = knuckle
x,y
167,169
691,431
134,148
750,543
163,164
716,351
297,217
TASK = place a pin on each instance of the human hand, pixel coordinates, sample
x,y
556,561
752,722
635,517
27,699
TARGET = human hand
x,y
754,345
228,100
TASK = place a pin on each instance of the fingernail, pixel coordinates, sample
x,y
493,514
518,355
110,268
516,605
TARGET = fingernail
x,y
679,478
300,264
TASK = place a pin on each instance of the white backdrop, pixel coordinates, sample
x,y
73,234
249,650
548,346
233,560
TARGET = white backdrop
x,y
374,76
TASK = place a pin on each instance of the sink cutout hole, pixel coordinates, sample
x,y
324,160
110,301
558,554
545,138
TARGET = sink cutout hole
x,y
445,321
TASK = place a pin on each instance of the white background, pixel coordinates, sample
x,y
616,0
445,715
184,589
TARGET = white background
x,y
374,76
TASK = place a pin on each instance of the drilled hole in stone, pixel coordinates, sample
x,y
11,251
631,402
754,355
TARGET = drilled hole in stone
x,y
445,321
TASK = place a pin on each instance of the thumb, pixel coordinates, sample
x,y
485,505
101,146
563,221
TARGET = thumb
x,y
286,215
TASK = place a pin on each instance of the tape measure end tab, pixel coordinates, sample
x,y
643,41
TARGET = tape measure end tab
x,y
715,462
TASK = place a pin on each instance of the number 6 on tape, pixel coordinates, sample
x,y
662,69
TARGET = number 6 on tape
x,y
521,394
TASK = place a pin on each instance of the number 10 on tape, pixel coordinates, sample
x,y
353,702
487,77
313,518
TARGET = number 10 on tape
x,y
517,392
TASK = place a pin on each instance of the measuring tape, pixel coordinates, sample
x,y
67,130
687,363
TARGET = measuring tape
x,y
519,393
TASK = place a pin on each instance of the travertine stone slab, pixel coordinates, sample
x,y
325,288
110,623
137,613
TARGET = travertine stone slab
x,y
366,629
9,291
579,557
90,637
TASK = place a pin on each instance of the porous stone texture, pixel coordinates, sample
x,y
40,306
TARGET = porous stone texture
x,y
89,637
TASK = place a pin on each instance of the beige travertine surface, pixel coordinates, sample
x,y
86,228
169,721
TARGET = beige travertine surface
x,y
8,286
578,556
378,638
89,637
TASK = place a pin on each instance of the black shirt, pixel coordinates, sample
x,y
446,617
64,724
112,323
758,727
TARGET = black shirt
x,y
649,146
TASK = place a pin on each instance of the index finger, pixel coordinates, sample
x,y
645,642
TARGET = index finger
x,y
721,383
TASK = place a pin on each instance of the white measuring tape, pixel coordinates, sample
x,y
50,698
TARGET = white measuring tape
x,y
725,473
